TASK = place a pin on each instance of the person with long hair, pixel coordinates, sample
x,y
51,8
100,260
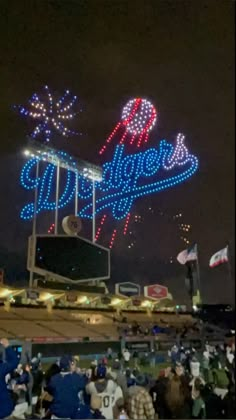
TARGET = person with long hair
x,y
177,399
158,392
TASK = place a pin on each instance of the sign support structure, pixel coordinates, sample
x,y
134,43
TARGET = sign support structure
x,y
34,220
57,198
94,214
76,193
92,172
198,275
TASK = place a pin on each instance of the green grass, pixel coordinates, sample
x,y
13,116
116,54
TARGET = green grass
x,y
85,364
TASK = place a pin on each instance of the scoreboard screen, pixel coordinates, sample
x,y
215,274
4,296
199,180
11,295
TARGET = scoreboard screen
x,y
70,258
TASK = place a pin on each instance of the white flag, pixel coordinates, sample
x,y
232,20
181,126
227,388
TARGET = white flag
x,y
219,257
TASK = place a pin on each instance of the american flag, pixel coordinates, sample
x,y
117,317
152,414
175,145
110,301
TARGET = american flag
x,y
189,254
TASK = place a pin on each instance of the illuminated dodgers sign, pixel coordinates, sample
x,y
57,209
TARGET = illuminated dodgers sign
x,y
126,177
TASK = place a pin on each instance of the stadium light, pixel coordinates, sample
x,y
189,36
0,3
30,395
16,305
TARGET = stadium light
x,y
116,301
64,160
5,293
82,299
146,304
46,296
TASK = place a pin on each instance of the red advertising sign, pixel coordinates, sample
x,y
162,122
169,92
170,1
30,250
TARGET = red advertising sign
x,y
156,291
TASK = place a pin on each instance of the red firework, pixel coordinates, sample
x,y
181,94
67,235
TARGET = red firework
x,y
137,120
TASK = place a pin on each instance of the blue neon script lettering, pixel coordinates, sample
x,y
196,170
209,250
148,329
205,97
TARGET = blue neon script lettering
x,y
46,188
125,178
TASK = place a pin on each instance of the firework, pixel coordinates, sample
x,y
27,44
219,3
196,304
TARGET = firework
x,y
51,114
138,118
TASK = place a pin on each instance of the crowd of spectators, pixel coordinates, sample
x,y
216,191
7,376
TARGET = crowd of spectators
x,y
197,385
135,329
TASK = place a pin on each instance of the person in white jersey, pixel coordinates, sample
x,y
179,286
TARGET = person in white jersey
x,y
195,367
110,393
126,356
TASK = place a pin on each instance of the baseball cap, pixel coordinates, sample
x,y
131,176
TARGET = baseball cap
x,y
141,380
101,371
65,362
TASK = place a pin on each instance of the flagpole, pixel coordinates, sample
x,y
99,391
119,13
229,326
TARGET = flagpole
x,y
229,264
198,273
189,277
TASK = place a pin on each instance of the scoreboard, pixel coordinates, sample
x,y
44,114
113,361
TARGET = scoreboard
x,y
68,258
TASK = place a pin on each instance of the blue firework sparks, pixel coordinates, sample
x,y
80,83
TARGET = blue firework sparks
x,y
51,114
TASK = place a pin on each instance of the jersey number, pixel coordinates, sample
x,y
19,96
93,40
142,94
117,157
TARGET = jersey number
x,y
106,401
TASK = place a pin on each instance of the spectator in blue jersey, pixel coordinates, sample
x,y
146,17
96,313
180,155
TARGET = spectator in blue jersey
x,y
6,367
22,377
66,389
174,354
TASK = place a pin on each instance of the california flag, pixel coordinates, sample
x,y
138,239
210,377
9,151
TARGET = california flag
x,y
219,257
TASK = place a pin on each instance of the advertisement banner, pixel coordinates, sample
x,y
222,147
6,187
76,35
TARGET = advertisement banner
x,y
127,289
32,294
156,291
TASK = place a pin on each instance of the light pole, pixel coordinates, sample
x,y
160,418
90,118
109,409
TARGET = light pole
x,y
34,220
76,192
57,197
94,212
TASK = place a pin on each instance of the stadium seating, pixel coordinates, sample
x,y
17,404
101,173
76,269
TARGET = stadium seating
x,y
23,322
37,314
25,329
67,329
158,318
7,315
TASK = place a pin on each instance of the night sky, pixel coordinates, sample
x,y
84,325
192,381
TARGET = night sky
x,y
178,54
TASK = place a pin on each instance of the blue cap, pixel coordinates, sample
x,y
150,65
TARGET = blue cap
x,y
101,371
141,380
131,382
65,362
